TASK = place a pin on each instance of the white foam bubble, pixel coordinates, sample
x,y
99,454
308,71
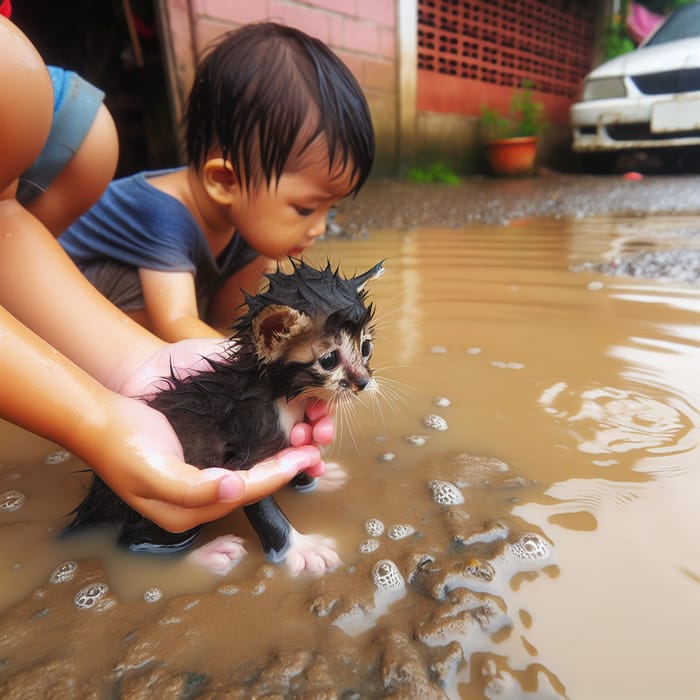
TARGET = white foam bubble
x,y
400,531
416,440
369,546
64,572
57,457
228,589
530,547
88,596
386,575
153,595
435,422
11,500
374,527
445,492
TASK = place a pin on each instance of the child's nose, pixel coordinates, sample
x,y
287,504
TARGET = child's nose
x,y
318,227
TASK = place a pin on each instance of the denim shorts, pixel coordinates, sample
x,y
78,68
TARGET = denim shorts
x,y
75,106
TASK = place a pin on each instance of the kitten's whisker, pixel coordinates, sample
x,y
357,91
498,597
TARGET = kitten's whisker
x,y
353,422
394,389
375,397
391,399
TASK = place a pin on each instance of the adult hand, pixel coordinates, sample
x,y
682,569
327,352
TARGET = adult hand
x,y
135,450
141,372
177,495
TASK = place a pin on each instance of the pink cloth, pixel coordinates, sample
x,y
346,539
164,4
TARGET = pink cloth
x,y
641,22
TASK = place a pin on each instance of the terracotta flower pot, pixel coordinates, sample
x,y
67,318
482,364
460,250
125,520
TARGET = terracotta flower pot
x,y
512,156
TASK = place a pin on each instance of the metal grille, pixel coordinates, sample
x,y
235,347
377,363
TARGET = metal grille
x,y
641,131
672,81
501,43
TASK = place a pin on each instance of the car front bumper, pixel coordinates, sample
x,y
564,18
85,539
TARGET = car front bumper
x,y
659,121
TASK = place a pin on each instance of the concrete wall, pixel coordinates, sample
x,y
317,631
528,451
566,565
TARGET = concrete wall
x,y
361,32
377,39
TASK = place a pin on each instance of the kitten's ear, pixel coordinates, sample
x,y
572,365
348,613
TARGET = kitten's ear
x,y
274,327
361,280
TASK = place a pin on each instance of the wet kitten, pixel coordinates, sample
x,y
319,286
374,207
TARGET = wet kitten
x,y
308,335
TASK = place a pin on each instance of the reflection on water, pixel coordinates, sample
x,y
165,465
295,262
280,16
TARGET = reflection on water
x,y
562,562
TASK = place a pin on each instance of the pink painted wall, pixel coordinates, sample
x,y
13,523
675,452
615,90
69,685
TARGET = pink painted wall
x,y
361,32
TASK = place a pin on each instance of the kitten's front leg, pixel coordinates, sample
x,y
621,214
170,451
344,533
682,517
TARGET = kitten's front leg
x,y
281,542
313,553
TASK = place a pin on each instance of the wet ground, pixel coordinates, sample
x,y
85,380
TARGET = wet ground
x,y
480,199
520,516
488,200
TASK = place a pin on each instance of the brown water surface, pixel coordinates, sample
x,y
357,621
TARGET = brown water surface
x,y
572,569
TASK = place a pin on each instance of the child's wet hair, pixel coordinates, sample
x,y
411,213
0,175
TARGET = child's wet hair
x,y
264,87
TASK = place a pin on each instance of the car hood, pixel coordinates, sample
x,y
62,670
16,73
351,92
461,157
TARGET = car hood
x,y
672,55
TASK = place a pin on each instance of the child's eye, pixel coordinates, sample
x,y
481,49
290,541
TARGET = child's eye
x,y
304,211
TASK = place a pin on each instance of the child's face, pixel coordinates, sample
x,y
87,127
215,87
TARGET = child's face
x,y
290,215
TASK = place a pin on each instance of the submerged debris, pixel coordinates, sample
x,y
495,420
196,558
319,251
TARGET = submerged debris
x,y
677,265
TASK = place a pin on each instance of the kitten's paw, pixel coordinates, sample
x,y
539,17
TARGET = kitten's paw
x,y
332,479
312,553
220,555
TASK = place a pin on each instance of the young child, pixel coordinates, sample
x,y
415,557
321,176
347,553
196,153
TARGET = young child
x,y
69,359
277,131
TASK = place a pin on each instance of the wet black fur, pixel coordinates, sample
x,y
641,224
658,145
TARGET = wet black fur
x,y
227,417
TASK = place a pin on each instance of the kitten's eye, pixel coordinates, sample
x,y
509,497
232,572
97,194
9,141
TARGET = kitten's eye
x,y
304,211
366,348
329,361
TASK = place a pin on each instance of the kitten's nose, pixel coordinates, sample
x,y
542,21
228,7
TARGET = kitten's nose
x,y
361,383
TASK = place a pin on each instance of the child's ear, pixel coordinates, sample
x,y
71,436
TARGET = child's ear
x,y
219,180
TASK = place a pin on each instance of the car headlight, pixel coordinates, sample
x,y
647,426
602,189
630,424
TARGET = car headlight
x,y
603,88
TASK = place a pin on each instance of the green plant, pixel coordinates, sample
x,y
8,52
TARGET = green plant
x,y
615,41
525,117
437,172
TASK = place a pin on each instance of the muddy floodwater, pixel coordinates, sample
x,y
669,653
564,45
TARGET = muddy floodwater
x,y
520,518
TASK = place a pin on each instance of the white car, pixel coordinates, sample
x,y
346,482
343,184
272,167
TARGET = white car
x,y
647,99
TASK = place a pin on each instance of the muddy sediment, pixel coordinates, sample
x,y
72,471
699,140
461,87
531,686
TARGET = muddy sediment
x,y
447,585
425,603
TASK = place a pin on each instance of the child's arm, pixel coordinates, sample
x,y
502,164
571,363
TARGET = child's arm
x,y
170,303
225,304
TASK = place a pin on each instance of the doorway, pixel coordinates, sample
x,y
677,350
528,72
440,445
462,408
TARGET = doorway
x,y
115,45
